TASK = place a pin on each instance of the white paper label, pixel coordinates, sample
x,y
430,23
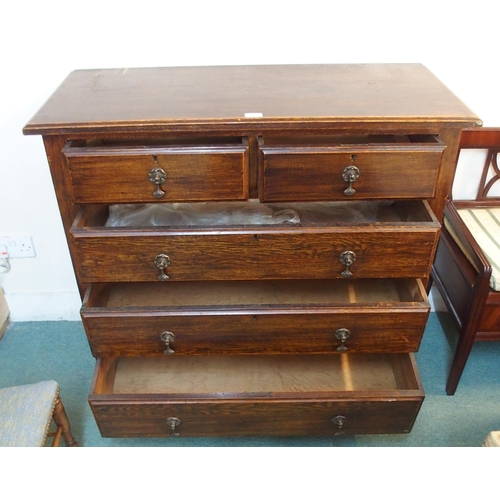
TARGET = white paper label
x,y
253,115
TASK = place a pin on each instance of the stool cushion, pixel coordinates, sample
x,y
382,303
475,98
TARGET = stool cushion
x,y
492,439
26,413
484,225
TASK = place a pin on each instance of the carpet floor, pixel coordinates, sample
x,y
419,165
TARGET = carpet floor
x,y
34,351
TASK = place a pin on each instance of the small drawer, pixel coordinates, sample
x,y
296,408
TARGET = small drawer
x,y
256,395
341,167
114,172
398,243
254,317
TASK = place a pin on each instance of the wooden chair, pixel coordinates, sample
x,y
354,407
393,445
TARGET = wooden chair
x,y
27,412
466,269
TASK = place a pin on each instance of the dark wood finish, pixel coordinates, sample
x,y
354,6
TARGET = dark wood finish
x,y
342,99
194,173
238,256
391,318
294,172
258,133
368,411
152,100
378,415
65,195
465,289
383,250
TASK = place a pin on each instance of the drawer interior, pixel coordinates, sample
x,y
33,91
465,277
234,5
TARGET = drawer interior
x,y
247,376
264,294
100,144
254,214
349,139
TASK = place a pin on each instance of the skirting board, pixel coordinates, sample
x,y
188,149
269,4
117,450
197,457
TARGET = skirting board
x,y
66,306
4,313
44,306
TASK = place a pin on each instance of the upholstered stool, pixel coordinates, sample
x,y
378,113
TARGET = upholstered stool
x,y
26,413
492,439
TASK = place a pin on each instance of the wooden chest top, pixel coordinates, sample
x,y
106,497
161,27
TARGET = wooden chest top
x,y
149,99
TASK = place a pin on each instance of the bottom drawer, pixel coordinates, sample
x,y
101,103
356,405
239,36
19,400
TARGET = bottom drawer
x,y
256,395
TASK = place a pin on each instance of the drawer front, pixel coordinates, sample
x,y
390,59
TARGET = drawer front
x,y
315,173
394,324
246,333
158,174
152,419
385,398
117,256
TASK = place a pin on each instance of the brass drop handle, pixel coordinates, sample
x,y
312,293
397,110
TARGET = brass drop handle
x,y
173,423
339,420
158,176
167,338
350,175
342,334
162,261
347,259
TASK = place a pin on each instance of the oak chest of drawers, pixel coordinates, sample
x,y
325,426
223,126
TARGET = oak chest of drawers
x,y
252,243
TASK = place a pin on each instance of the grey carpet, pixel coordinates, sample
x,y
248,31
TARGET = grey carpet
x,y
33,351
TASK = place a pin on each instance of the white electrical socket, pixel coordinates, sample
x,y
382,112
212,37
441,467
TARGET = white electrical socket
x,y
18,247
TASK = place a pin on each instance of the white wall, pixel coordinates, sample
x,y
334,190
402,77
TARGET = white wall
x,y
43,41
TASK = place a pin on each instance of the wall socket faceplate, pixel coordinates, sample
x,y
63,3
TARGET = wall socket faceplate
x,y
18,247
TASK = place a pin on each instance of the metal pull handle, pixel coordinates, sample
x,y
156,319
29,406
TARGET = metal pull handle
x,y
168,338
342,334
347,259
350,175
158,176
162,261
173,423
339,420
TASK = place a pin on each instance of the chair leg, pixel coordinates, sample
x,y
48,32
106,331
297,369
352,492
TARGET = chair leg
x,y
476,306
56,436
61,419
464,346
429,284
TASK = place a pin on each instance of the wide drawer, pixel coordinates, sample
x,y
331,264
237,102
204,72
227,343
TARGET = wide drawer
x,y
399,243
359,167
113,172
256,395
256,317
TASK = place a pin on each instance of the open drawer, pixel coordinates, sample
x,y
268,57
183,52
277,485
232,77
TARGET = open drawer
x,y
256,395
398,242
314,168
113,171
254,317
